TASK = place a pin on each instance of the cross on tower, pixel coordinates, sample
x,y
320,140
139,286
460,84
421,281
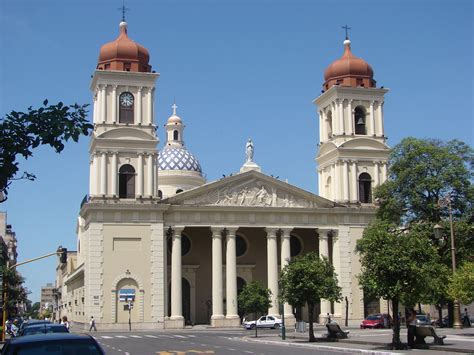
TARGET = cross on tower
x,y
347,28
174,107
123,9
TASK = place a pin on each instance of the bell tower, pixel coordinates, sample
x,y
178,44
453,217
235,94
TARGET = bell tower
x,y
353,154
123,148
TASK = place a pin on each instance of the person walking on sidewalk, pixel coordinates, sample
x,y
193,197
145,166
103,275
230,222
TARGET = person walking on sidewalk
x,y
411,324
92,324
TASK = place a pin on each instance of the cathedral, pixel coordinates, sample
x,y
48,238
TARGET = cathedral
x,y
162,247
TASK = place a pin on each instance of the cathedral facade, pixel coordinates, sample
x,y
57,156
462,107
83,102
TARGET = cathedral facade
x,y
159,245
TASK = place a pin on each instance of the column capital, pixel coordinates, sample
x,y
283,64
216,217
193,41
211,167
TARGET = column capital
x,y
272,232
324,233
139,89
174,231
114,87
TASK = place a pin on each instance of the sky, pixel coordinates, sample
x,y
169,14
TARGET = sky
x,y
237,70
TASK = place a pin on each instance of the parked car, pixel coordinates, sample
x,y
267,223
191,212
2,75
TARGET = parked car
x,y
264,322
30,322
44,329
423,319
445,322
378,320
54,343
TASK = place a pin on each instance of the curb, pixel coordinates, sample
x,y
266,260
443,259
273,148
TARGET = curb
x,y
321,347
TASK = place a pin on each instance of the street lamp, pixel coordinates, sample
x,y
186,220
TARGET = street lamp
x,y
438,231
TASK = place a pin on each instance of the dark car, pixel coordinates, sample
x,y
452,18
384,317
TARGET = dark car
x,y
44,329
53,343
377,320
31,322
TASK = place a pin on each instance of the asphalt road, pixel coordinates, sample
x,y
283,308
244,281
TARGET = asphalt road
x,y
192,342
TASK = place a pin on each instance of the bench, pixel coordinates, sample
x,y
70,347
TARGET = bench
x,y
335,331
423,331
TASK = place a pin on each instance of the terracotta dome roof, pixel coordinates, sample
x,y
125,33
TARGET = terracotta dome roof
x,y
349,71
124,54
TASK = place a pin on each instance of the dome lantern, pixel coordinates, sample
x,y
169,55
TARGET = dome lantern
x,y
349,70
123,54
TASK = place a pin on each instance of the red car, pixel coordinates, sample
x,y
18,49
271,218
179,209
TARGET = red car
x,y
376,321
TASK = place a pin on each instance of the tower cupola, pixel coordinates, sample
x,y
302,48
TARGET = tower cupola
x,y
349,70
123,54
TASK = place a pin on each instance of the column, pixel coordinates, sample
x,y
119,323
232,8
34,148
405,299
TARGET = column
x,y
149,119
140,175
384,172
217,299
337,187
139,105
95,117
103,174
340,112
336,261
380,127
150,175
114,104
114,172
345,177
96,175
324,251
285,260
320,183
355,192
321,127
333,182
272,270
231,277
376,174
372,115
335,120
103,99
91,176
351,118
176,277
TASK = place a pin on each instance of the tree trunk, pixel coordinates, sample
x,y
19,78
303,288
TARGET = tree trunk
x,y
439,306
311,319
396,342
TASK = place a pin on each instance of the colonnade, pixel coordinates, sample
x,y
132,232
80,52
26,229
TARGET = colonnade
x,y
104,163
344,187
338,118
227,235
105,109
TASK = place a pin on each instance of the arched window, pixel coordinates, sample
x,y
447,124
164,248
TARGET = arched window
x,y
126,107
126,181
160,194
365,188
295,246
359,120
240,246
329,188
175,135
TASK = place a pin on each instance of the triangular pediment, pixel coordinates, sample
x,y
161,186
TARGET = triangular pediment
x,y
250,189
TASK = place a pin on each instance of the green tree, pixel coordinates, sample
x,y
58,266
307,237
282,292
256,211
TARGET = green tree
x,y
421,172
16,292
306,280
461,284
21,132
255,298
33,311
397,264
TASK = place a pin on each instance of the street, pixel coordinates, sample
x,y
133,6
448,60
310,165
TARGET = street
x,y
208,341
192,342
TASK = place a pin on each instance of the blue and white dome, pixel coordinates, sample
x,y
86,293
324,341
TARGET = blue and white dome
x,y
177,158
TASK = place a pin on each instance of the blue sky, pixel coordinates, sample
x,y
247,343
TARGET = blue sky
x,y
238,69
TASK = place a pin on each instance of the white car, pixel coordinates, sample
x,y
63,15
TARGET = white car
x,y
264,322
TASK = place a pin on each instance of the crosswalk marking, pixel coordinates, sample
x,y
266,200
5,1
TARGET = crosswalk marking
x,y
136,336
121,336
151,336
106,337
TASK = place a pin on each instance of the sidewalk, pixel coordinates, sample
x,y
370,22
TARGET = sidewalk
x,y
372,341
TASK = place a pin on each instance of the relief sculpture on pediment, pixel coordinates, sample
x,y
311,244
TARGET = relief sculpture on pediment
x,y
253,194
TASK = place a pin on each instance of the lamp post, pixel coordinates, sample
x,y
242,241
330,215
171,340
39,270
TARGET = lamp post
x,y
438,230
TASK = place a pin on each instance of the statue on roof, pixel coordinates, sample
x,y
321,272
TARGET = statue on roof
x,y
249,150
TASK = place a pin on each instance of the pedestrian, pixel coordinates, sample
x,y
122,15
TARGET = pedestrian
x,y
465,319
92,324
411,324
14,328
65,322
